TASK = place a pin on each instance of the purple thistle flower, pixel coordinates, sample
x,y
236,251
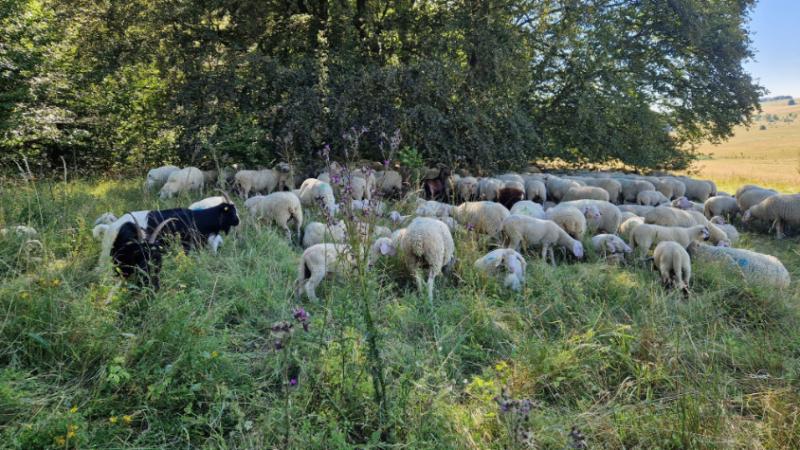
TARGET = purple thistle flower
x,y
301,316
293,382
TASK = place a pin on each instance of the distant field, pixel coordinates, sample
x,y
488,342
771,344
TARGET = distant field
x,y
768,156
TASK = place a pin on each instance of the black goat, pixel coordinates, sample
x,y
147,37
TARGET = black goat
x,y
138,257
194,227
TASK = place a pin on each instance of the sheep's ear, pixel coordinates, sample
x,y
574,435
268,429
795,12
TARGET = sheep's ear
x,y
387,249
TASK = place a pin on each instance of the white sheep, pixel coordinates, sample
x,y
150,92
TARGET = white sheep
x,y
610,245
644,236
632,187
586,192
663,187
426,244
432,208
182,181
278,208
782,210
558,187
651,198
610,185
485,217
365,206
315,233
255,181
22,231
489,189
102,223
608,221
698,190
752,196
625,215
467,189
314,192
389,182
570,219
674,217
535,189
505,262
318,261
158,176
627,227
369,181
639,210
720,206
730,231
513,177
754,267
529,208
519,231
674,264
678,187
687,205
669,217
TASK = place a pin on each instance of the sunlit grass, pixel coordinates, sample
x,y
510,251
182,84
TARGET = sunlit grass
x,y
602,348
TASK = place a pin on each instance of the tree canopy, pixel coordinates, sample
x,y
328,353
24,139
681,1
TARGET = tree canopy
x,y
495,83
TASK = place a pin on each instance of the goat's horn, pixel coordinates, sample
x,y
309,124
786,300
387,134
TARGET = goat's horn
x,y
225,195
158,229
139,228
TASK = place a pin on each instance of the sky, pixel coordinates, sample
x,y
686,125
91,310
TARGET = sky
x,y
776,44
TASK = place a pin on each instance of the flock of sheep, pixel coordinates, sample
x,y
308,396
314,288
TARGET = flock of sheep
x,y
621,216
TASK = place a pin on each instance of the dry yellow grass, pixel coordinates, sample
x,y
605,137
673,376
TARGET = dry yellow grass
x,y
768,157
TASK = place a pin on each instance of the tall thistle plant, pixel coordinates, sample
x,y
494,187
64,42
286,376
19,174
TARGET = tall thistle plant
x,y
359,223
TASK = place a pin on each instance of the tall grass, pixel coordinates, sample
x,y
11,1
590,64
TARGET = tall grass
x,y
604,349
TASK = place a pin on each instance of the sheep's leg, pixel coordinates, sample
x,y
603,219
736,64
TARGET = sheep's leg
x,y
552,256
779,229
288,232
312,283
544,253
431,277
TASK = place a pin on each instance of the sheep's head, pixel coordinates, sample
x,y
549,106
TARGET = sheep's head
x,y
718,220
577,249
167,191
381,247
515,263
283,167
748,215
592,212
682,203
395,217
724,243
705,233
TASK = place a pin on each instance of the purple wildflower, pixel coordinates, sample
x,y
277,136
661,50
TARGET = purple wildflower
x,y
386,163
470,226
301,316
293,382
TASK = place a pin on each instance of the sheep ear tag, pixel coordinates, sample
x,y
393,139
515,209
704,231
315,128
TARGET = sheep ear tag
x,y
226,209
